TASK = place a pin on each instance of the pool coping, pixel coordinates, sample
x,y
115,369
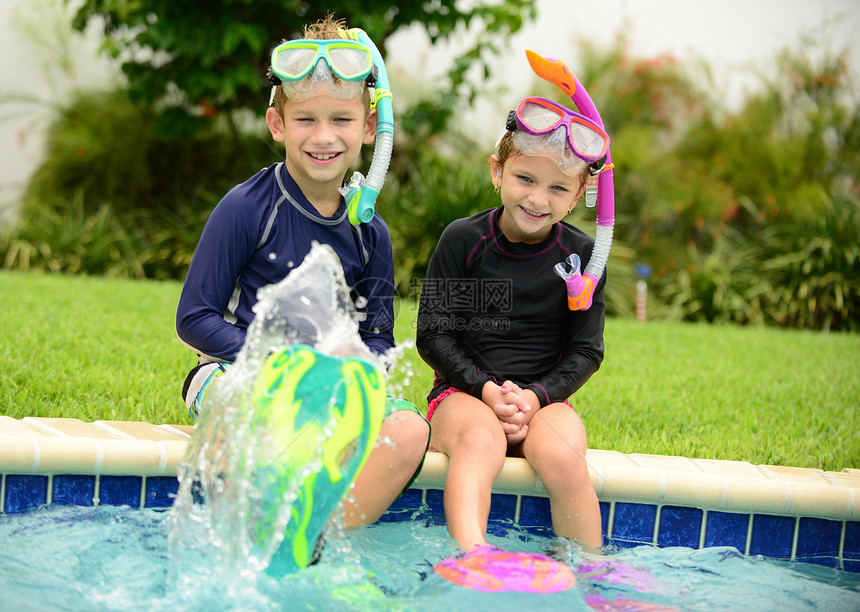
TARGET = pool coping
x,y
785,513
35,445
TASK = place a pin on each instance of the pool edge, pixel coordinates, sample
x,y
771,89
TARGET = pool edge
x,y
794,505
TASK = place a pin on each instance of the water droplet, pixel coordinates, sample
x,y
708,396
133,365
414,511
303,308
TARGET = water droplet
x,y
273,256
232,471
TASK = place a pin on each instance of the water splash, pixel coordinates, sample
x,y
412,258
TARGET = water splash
x,y
272,443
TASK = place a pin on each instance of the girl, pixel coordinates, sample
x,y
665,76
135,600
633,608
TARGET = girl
x,y
495,325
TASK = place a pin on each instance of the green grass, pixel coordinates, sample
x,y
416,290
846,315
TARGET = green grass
x,y
94,348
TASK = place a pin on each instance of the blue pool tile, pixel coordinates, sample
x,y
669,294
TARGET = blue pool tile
x,y
24,492
605,509
403,508
120,491
499,528
409,500
73,490
679,526
160,491
634,524
435,510
727,529
535,511
503,506
851,547
818,541
434,500
772,535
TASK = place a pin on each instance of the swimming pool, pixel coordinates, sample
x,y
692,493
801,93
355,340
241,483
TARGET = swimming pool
x,y
801,517
115,558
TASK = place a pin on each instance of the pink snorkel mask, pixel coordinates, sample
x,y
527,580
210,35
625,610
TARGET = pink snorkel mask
x,y
542,127
584,142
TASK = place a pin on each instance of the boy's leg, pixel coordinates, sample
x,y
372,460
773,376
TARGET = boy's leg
x,y
555,448
198,382
469,432
398,453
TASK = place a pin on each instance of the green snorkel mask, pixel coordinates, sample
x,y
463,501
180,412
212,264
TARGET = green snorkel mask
x,y
348,66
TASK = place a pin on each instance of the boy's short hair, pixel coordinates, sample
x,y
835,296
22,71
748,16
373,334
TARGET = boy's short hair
x,y
324,29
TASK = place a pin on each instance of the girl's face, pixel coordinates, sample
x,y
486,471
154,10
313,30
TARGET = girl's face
x,y
535,194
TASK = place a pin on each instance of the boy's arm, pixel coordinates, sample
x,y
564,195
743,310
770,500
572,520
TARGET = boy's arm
x,y
225,246
377,287
582,353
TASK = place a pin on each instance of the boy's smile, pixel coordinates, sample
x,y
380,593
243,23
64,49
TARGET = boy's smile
x,y
323,138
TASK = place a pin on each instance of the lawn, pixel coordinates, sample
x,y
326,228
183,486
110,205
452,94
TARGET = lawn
x,y
95,348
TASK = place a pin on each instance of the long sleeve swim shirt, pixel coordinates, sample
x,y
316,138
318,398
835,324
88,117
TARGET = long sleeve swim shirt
x,y
260,231
494,310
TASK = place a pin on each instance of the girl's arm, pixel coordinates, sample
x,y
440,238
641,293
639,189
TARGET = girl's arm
x,y
581,355
436,337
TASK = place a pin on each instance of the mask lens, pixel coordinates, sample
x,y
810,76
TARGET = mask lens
x,y
350,62
295,62
322,82
586,140
539,118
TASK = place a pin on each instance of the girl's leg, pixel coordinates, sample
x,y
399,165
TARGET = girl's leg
x,y
468,431
555,448
393,461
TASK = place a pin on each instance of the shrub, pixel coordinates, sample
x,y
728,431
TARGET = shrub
x,y
64,237
126,155
779,272
814,269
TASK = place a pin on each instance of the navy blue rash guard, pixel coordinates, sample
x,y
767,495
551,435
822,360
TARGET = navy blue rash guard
x,y
260,231
492,309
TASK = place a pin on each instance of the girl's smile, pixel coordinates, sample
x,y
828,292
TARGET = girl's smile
x,y
535,195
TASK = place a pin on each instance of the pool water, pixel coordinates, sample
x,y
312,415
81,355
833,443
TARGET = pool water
x,y
116,558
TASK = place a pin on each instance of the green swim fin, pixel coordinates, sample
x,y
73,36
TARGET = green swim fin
x,y
323,415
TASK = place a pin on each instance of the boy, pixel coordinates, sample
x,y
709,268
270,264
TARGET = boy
x,y
263,228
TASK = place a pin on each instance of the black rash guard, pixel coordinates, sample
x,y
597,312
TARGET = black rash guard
x,y
492,309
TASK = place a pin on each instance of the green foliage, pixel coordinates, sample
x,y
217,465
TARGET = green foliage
x,y
213,56
121,153
427,187
657,93
814,269
67,238
746,217
734,210
779,272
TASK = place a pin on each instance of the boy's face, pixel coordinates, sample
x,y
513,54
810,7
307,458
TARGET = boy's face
x,y
322,137
535,194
